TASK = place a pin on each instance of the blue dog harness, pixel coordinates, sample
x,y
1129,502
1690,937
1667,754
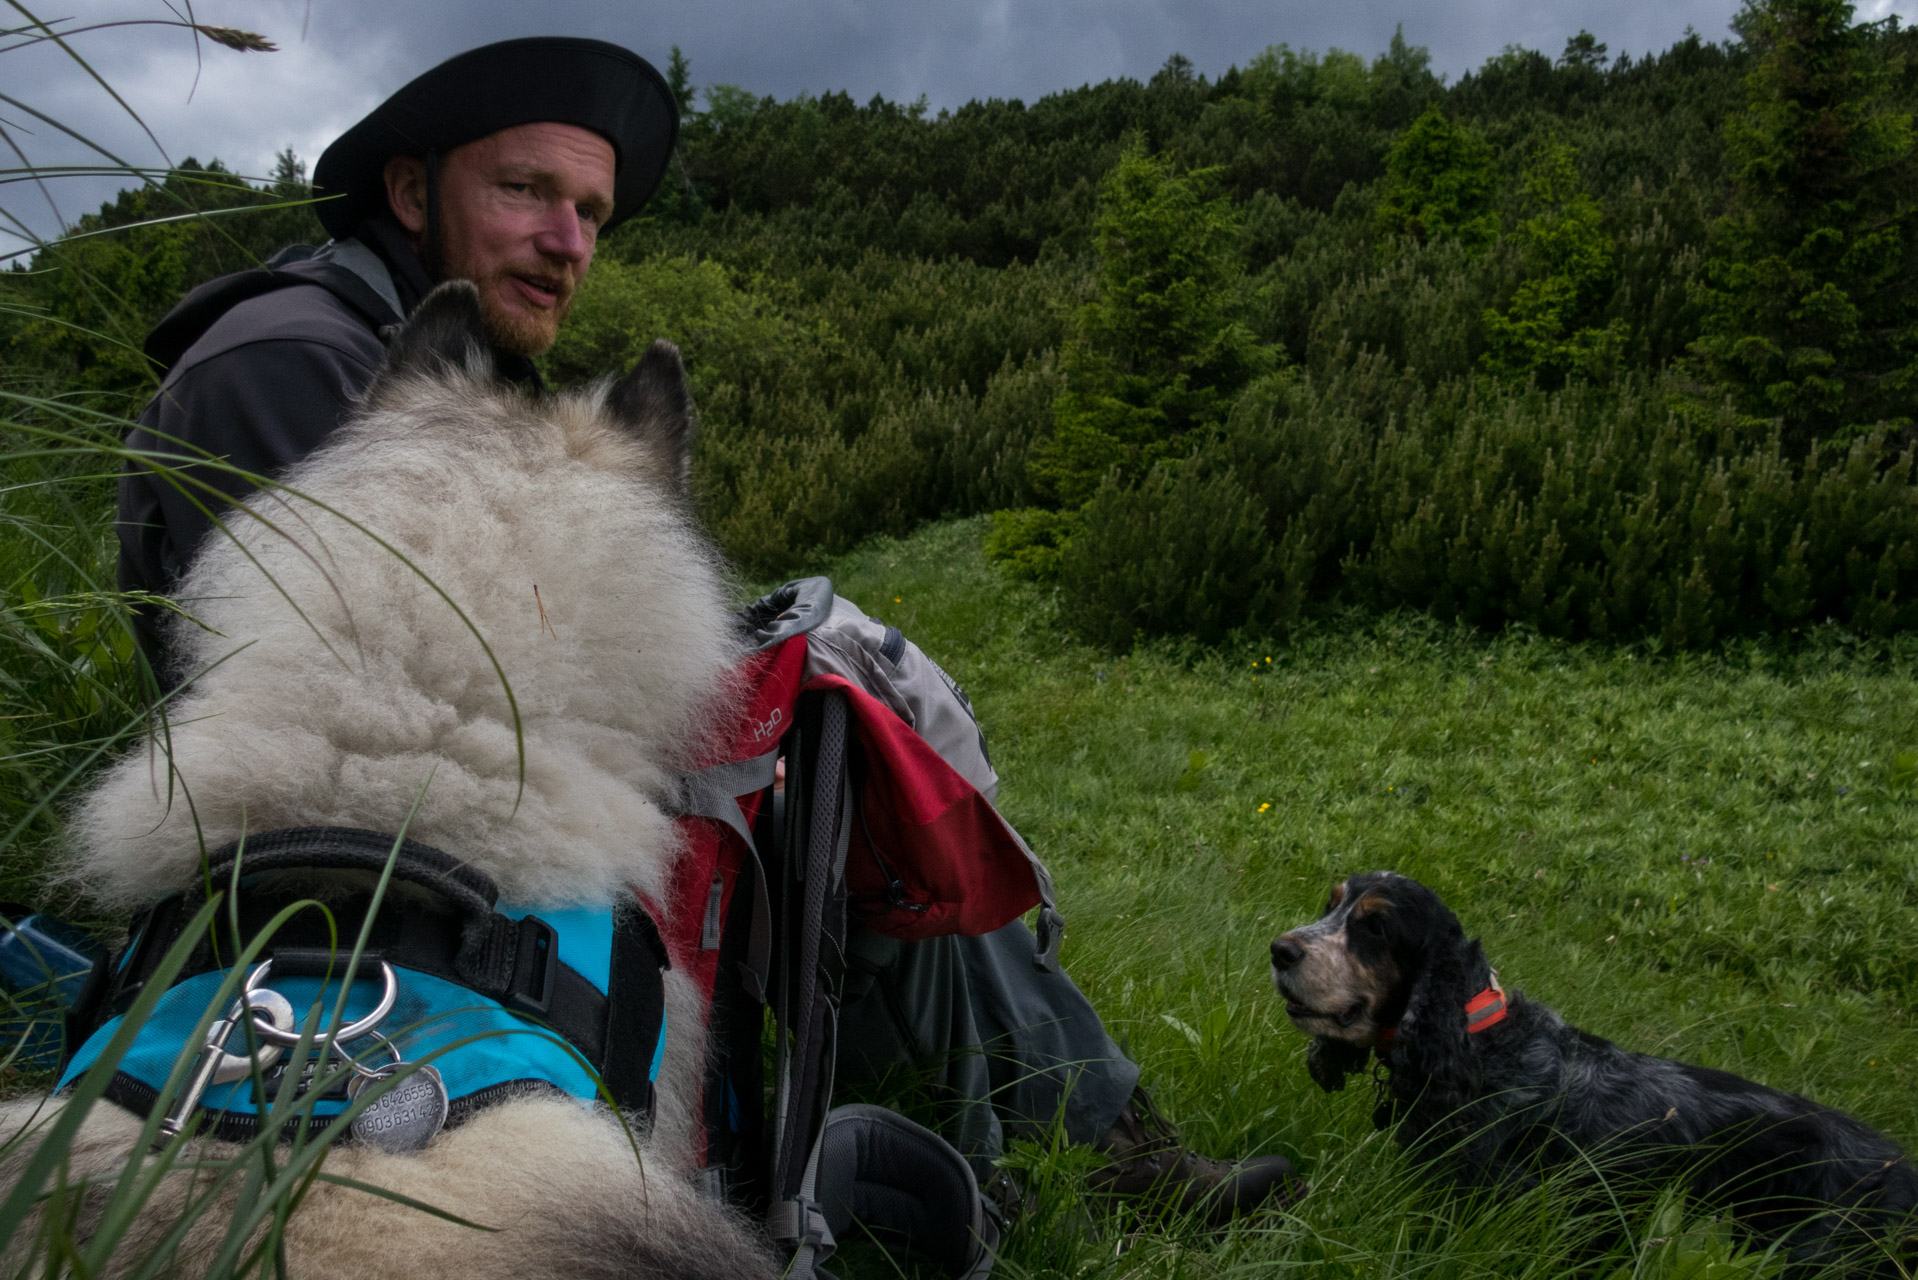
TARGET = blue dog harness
x,y
496,1002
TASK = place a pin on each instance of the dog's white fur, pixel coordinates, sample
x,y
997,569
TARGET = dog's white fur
x,y
616,661
491,498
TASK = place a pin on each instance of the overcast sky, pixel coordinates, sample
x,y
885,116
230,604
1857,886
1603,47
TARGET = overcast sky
x,y
338,58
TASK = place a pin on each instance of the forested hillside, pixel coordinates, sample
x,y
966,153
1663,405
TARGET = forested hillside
x,y
1606,345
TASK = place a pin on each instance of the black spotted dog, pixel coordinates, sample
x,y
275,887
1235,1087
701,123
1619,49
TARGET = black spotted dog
x,y
1491,1088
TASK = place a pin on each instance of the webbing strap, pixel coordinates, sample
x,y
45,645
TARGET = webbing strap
x,y
714,793
1486,1009
1052,926
812,1239
808,1011
460,938
791,1221
801,1225
812,1249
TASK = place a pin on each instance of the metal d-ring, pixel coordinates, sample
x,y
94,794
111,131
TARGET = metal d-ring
x,y
324,1039
376,1073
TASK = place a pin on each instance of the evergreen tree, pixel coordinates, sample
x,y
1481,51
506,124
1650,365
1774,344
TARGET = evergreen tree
x,y
1439,182
289,176
676,200
1177,73
679,81
1570,259
1584,50
1402,82
1156,355
1811,317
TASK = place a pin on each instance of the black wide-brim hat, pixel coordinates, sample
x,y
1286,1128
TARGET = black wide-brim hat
x,y
559,79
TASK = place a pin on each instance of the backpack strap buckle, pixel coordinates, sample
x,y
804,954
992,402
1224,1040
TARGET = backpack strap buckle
x,y
800,1221
535,967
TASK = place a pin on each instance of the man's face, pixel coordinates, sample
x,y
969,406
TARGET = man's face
x,y
519,212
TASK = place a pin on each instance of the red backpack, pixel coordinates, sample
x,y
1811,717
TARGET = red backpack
x,y
879,824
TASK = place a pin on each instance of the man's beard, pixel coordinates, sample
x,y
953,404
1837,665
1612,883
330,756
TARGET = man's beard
x,y
514,332
520,332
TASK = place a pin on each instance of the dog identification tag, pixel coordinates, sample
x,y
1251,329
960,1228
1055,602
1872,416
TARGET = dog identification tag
x,y
407,1116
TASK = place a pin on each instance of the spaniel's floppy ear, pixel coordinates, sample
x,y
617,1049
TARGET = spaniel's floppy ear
x,y
1330,1061
1431,1049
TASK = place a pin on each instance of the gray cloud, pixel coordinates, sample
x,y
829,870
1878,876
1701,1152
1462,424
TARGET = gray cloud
x,y
337,58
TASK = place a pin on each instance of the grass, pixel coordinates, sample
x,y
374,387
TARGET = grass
x,y
1705,857
1700,856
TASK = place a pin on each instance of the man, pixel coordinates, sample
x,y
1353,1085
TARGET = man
x,y
262,369
503,166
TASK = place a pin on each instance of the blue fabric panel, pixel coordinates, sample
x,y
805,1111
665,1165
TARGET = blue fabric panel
x,y
429,1013
585,938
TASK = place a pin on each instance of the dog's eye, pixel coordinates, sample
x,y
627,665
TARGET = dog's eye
x,y
1371,922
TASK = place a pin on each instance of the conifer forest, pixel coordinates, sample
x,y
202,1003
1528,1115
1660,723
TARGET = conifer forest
x,y
1611,346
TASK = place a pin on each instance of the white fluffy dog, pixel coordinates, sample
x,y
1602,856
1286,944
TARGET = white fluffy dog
x,y
561,527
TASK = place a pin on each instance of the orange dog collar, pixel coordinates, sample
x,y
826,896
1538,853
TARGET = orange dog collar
x,y
1486,1009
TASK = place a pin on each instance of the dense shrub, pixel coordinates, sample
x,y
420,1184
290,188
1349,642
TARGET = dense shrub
x,y
1184,549
836,403
1606,512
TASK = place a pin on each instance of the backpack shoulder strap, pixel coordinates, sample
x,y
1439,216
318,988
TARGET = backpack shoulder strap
x,y
825,1169
196,313
810,967
636,1010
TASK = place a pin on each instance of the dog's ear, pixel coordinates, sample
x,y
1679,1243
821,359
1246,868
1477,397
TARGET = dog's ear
x,y
655,404
446,335
1330,1061
1431,1052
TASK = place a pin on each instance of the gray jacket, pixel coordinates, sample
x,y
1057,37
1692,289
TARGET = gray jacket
x,y
256,384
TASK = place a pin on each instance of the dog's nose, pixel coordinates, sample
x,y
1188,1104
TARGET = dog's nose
x,y
1286,953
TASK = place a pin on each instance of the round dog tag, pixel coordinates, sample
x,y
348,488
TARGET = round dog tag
x,y
407,1116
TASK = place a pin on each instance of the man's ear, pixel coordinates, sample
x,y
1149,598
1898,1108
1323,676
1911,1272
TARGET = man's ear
x,y
1330,1061
405,178
445,336
654,403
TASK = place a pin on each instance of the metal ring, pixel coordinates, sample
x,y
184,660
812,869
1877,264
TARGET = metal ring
x,y
352,1031
374,1073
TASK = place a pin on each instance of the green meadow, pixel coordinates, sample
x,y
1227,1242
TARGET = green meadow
x,y
1703,856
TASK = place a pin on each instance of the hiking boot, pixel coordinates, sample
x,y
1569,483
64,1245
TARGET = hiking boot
x,y
1149,1164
